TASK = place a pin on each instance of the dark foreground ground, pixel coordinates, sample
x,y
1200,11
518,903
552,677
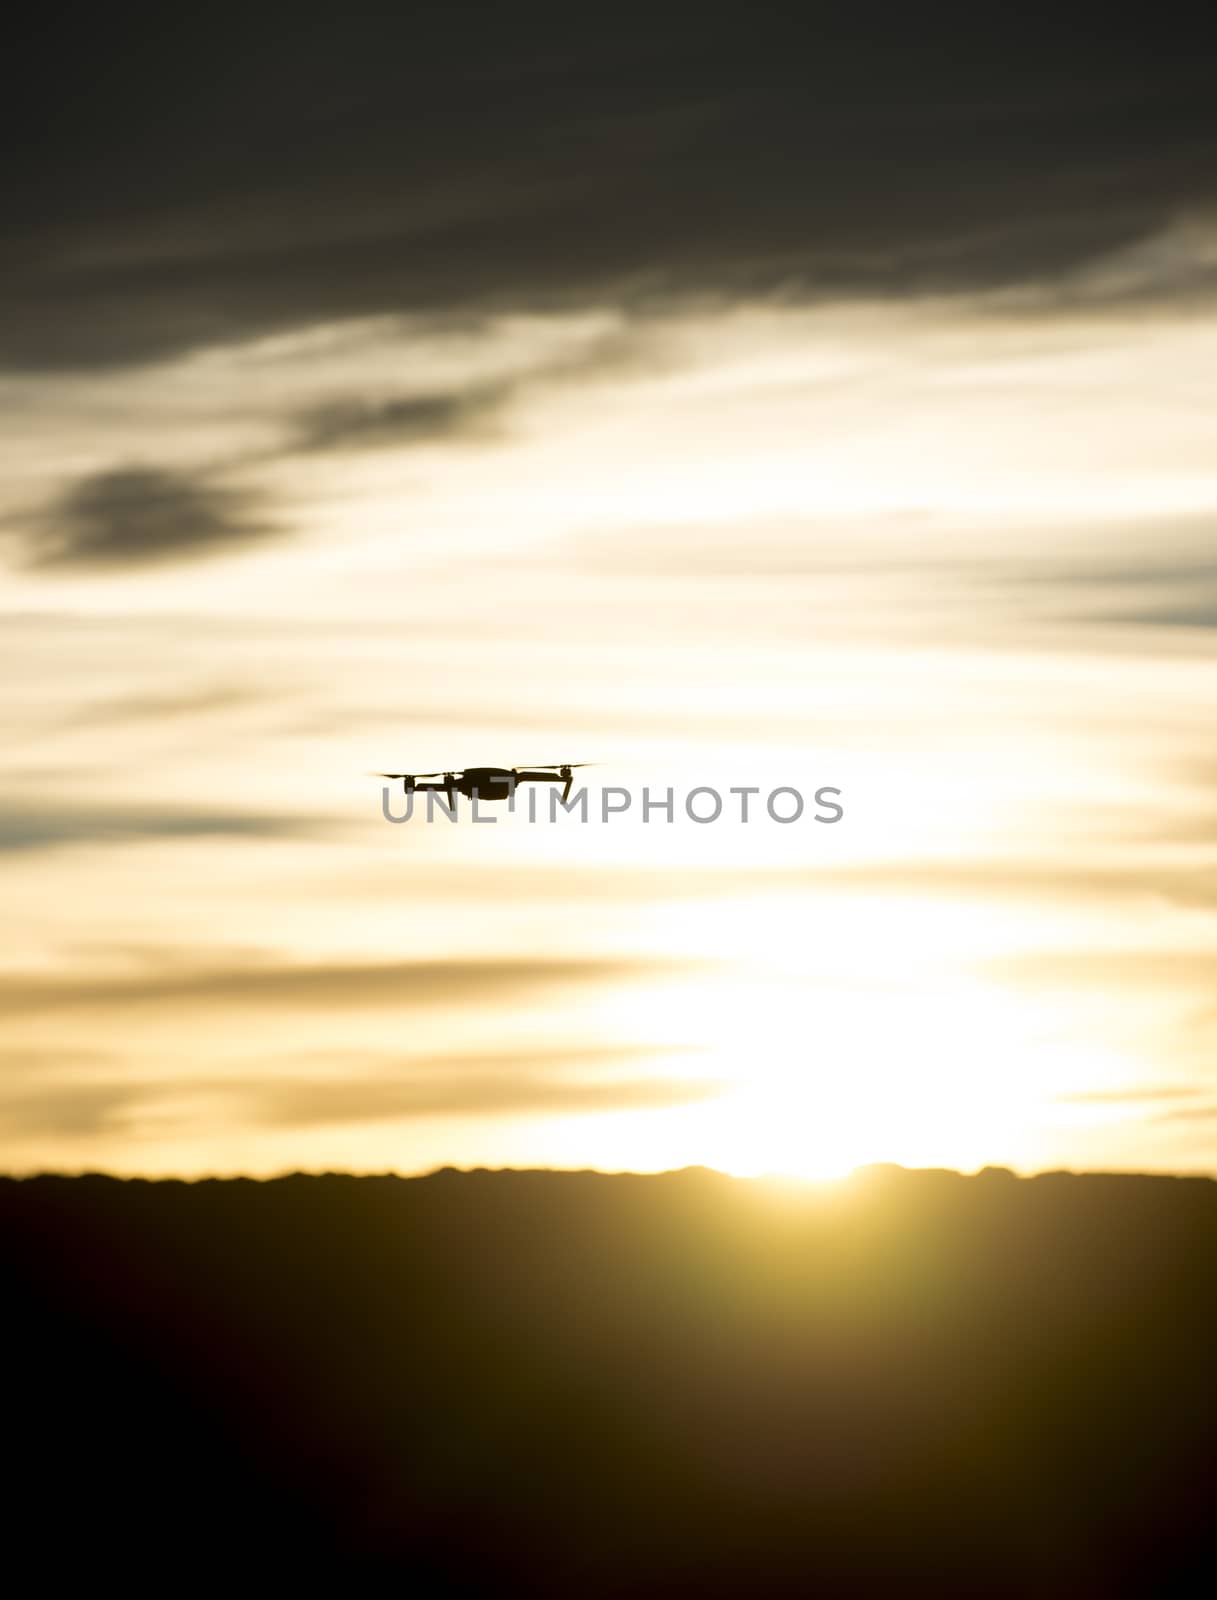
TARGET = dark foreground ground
x,y
566,1384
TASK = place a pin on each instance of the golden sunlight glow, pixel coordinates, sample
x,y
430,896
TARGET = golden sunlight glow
x,y
799,546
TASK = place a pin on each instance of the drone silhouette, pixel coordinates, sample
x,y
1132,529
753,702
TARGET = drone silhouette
x,y
488,783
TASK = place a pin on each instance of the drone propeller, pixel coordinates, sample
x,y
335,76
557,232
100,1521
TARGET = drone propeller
x,y
520,766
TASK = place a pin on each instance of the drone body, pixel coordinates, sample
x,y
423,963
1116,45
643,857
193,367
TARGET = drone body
x,y
488,783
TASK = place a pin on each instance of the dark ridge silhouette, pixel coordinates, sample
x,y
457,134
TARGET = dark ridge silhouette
x,y
570,1383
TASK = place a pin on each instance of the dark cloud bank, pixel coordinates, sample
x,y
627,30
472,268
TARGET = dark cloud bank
x,y
177,182
174,180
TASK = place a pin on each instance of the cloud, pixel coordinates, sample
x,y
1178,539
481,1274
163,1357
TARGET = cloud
x,y
961,878
1169,588
353,424
391,985
141,516
26,828
62,1102
1138,1094
1196,614
75,1111
474,410
1155,576
153,706
86,1111
404,161
1111,970
517,1091
1019,879
1189,1114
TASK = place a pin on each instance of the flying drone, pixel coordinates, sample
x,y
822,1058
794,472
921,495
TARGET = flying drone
x,y
488,783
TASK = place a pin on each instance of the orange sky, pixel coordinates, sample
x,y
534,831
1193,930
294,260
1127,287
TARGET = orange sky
x,y
952,558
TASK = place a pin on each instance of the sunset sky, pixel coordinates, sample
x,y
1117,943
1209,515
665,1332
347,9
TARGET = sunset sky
x,y
796,405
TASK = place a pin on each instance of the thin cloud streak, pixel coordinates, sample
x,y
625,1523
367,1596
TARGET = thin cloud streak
x,y
354,985
297,1105
50,825
1151,968
544,1083
170,705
